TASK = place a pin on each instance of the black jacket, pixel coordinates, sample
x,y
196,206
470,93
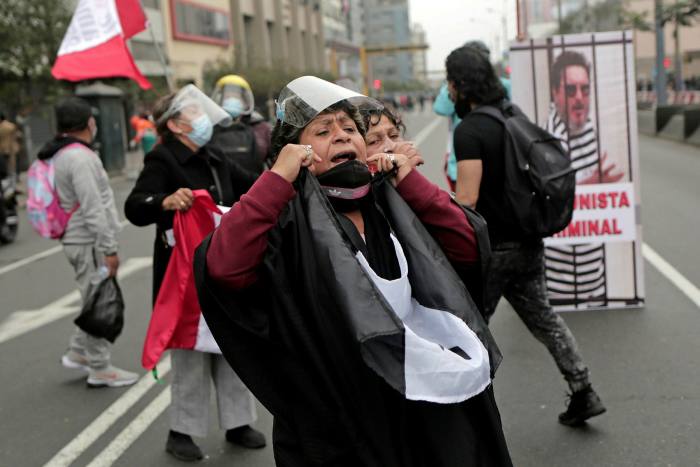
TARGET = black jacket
x,y
168,167
317,347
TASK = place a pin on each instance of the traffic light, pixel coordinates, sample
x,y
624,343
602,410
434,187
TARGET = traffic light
x,y
377,84
667,63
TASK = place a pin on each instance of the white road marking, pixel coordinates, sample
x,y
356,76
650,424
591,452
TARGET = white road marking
x,y
132,432
24,321
40,255
423,134
106,419
30,259
672,274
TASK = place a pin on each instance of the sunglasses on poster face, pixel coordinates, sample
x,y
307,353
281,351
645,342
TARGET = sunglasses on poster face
x,y
570,89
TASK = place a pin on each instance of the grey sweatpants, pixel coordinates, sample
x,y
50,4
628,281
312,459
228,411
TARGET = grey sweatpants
x,y
517,273
193,373
85,261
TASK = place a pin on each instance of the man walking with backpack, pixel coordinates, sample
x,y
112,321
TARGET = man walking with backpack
x,y
89,239
517,263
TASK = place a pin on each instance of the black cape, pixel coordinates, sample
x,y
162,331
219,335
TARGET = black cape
x,y
317,344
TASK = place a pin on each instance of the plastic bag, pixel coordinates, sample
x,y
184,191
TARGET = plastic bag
x,y
103,311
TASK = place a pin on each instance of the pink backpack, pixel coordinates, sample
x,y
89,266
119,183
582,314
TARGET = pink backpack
x,y
45,213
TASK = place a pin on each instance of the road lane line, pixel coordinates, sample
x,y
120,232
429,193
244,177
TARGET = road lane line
x,y
40,255
23,321
106,419
423,134
30,259
133,431
672,274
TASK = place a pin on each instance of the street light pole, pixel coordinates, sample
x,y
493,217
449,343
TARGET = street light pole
x,y
660,78
559,15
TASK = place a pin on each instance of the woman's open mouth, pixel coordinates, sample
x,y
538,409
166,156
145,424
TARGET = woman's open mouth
x,y
344,156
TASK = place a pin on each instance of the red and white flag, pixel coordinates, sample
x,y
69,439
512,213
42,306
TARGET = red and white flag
x,y
95,43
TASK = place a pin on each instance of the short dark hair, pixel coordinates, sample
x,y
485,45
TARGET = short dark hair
x,y
284,133
161,106
72,114
473,76
389,112
563,61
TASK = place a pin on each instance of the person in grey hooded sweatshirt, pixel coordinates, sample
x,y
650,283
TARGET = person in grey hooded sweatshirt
x,y
89,241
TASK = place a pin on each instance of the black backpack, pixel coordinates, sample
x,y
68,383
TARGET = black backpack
x,y
540,182
237,142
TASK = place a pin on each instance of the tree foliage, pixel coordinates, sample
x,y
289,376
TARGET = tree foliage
x,y
681,13
30,33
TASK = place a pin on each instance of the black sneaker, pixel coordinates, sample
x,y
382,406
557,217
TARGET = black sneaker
x,y
246,436
583,405
182,447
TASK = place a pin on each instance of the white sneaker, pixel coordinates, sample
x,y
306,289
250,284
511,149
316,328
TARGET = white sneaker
x,y
75,361
111,377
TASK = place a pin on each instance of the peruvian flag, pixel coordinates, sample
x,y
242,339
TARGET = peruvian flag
x,y
95,44
177,321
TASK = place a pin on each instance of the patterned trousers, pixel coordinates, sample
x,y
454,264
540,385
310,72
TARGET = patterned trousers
x,y
517,273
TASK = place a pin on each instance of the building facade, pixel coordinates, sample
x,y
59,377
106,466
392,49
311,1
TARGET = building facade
x,y
197,33
387,24
420,57
148,47
343,33
286,33
191,34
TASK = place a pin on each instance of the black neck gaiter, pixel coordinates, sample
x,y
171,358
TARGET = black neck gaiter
x,y
346,184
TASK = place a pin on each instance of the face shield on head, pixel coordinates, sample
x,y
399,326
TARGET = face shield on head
x,y
190,103
306,97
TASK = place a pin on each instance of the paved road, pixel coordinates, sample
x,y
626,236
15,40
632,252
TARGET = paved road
x,y
643,362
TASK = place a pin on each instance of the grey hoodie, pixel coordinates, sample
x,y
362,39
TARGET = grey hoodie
x,y
81,180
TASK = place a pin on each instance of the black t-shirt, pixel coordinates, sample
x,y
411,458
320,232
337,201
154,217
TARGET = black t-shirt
x,y
480,137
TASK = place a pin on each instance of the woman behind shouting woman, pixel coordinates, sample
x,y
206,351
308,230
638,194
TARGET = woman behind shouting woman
x,y
181,163
334,298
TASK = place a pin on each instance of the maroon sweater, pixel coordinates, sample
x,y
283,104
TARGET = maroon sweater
x,y
238,245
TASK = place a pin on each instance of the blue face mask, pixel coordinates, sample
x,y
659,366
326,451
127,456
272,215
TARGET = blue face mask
x,y
202,130
233,106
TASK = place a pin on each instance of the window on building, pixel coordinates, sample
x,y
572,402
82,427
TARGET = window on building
x,y
155,4
200,23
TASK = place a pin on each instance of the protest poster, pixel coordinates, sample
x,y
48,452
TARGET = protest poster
x,y
580,88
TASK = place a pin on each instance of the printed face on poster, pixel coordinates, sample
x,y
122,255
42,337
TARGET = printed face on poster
x,y
581,89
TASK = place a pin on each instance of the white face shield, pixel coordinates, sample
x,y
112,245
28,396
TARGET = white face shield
x,y
304,98
190,103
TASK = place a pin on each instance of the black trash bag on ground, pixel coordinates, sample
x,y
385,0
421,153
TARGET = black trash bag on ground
x,y
103,312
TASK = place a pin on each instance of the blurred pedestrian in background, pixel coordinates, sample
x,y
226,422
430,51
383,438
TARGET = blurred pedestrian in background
x,y
247,139
180,163
145,130
10,137
90,237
